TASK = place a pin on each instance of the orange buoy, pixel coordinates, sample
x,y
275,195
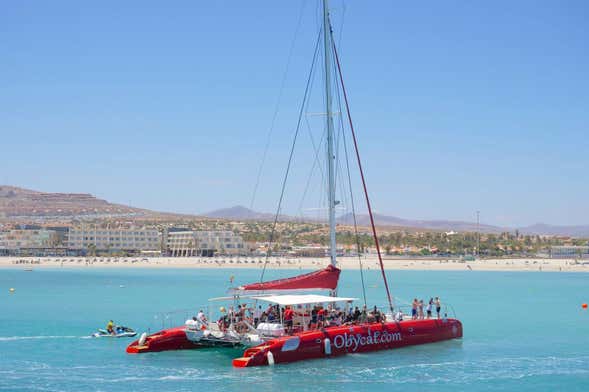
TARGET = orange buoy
x,y
584,306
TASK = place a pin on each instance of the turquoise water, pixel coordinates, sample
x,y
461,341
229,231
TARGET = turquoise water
x,y
522,332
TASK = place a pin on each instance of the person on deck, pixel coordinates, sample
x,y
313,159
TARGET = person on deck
x,y
376,314
313,322
231,315
363,315
321,317
438,306
429,308
356,315
288,317
191,323
271,316
201,318
257,315
420,310
414,306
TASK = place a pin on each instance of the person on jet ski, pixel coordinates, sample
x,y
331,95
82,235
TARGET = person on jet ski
x,y
110,327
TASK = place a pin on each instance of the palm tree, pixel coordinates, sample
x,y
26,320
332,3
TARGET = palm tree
x,y
92,249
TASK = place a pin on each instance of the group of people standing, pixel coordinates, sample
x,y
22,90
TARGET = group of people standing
x,y
420,310
316,317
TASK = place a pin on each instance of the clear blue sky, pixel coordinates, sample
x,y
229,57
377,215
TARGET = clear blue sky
x,y
459,105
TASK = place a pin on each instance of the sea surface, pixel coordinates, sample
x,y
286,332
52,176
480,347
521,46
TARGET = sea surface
x,y
523,331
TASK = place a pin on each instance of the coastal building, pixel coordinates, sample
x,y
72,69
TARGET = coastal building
x,y
102,239
35,242
569,252
204,243
310,251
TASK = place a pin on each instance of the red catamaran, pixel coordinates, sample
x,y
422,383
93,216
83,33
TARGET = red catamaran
x,y
276,341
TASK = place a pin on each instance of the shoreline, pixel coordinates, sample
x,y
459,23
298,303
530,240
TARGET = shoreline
x,y
345,263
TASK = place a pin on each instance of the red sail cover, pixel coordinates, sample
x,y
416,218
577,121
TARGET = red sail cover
x,y
323,279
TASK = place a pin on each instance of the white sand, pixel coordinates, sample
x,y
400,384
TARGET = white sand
x,y
369,262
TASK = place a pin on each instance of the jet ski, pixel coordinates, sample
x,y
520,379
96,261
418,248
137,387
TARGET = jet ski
x,y
120,332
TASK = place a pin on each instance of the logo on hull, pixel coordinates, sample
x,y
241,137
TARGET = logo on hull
x,y
353,342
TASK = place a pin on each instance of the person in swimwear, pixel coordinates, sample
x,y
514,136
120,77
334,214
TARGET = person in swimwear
x,y
438,306
414,306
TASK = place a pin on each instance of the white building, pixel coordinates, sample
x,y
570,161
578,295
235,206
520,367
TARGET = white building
x,y
204,243
569,252
109,239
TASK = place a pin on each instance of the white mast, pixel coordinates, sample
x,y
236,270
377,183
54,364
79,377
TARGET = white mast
x,y
328,116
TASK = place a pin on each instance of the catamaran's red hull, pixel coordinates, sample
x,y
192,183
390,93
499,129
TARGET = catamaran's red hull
x,y
168,339
336,341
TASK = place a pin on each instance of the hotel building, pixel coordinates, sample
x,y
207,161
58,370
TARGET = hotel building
x,y
204,243
109,239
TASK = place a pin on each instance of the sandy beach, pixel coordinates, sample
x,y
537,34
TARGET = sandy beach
x,y
368,262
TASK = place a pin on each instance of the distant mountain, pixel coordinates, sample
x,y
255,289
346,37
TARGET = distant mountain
x,y
238,213
446,225
19,202
544,229
244,213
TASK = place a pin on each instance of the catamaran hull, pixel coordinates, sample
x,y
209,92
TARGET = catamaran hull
x,y
335,341
165,340
174,339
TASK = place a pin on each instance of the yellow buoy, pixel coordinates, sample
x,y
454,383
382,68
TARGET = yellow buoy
x,y
11,290
222,309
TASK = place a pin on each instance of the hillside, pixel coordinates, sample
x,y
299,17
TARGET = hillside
x,y
23,203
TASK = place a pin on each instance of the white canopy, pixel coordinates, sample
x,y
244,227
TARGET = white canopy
x,y
303,299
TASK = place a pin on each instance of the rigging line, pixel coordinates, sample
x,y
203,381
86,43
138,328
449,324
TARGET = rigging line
x,y
315,148
341,27
352,204
278,102
315,161
357,235
384,277
305,97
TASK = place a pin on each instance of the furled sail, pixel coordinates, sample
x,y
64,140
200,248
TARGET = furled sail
x,y
325,279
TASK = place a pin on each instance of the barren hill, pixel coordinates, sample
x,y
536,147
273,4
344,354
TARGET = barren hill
x,y
19,202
